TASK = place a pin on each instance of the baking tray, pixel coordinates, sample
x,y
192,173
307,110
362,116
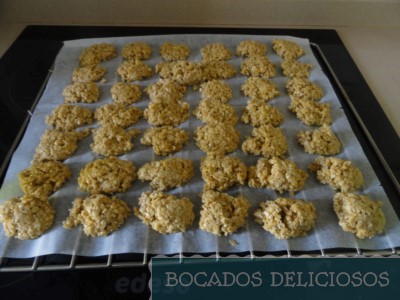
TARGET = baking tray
x,y
323,43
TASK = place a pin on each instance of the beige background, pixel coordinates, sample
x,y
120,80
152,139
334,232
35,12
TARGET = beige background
x,y
369,29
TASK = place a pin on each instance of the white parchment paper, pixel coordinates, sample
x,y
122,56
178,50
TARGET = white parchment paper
x,y
135,237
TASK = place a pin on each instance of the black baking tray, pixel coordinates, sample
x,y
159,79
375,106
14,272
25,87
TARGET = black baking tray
x,y
25,66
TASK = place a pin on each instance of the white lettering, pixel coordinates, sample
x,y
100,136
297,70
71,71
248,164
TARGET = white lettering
x,y
196,282
186,282
171,276
232,277
317,279
273,282
385,277
247,278
256,278
375,279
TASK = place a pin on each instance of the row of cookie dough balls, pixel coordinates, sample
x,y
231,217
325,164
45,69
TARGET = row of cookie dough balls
x,y
29,217
357,213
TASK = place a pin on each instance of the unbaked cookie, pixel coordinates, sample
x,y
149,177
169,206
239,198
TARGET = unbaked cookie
x,y
260,88
182,72
117,114
125,93
212,111
165,90
278,174
165,213
58,145
85,92
258,113
174,52
292,68
217,90
69,117
88,74
107,175
216,70
267,141
259,66
99,215
303,89
251,48
311,113
111,140
96,53
217,138
359,214
133,70
222,214
215,52
27,217
287,49
168,173
286,218
42,179
136,51
321,141
165,140
222,172
166,113
340,174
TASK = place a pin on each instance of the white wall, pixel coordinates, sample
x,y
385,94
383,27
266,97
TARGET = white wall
x,y
261,13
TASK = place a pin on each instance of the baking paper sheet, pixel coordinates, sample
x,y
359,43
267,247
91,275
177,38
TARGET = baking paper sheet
x,y
135,237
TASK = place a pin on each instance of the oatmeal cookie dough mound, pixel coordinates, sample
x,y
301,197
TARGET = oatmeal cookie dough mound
x,y
166,113
338,173
107,175
217,138
217,90
293,69
69,117
111,140
217,70
267,141
168,173
27,217
321,141
258,113
97,53
125,93
250,48
99,215
165,90
215,52
303,89
85,92
117,114
222,172
222,214
134,70
287,49
359,214
260,88
58,145
165,213
311,113
212,112
278,174
88,74
165,140
182,72
259,66
42,179
286,218
136,51
174,52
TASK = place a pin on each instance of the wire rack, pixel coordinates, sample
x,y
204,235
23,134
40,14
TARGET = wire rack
x,y
128,260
